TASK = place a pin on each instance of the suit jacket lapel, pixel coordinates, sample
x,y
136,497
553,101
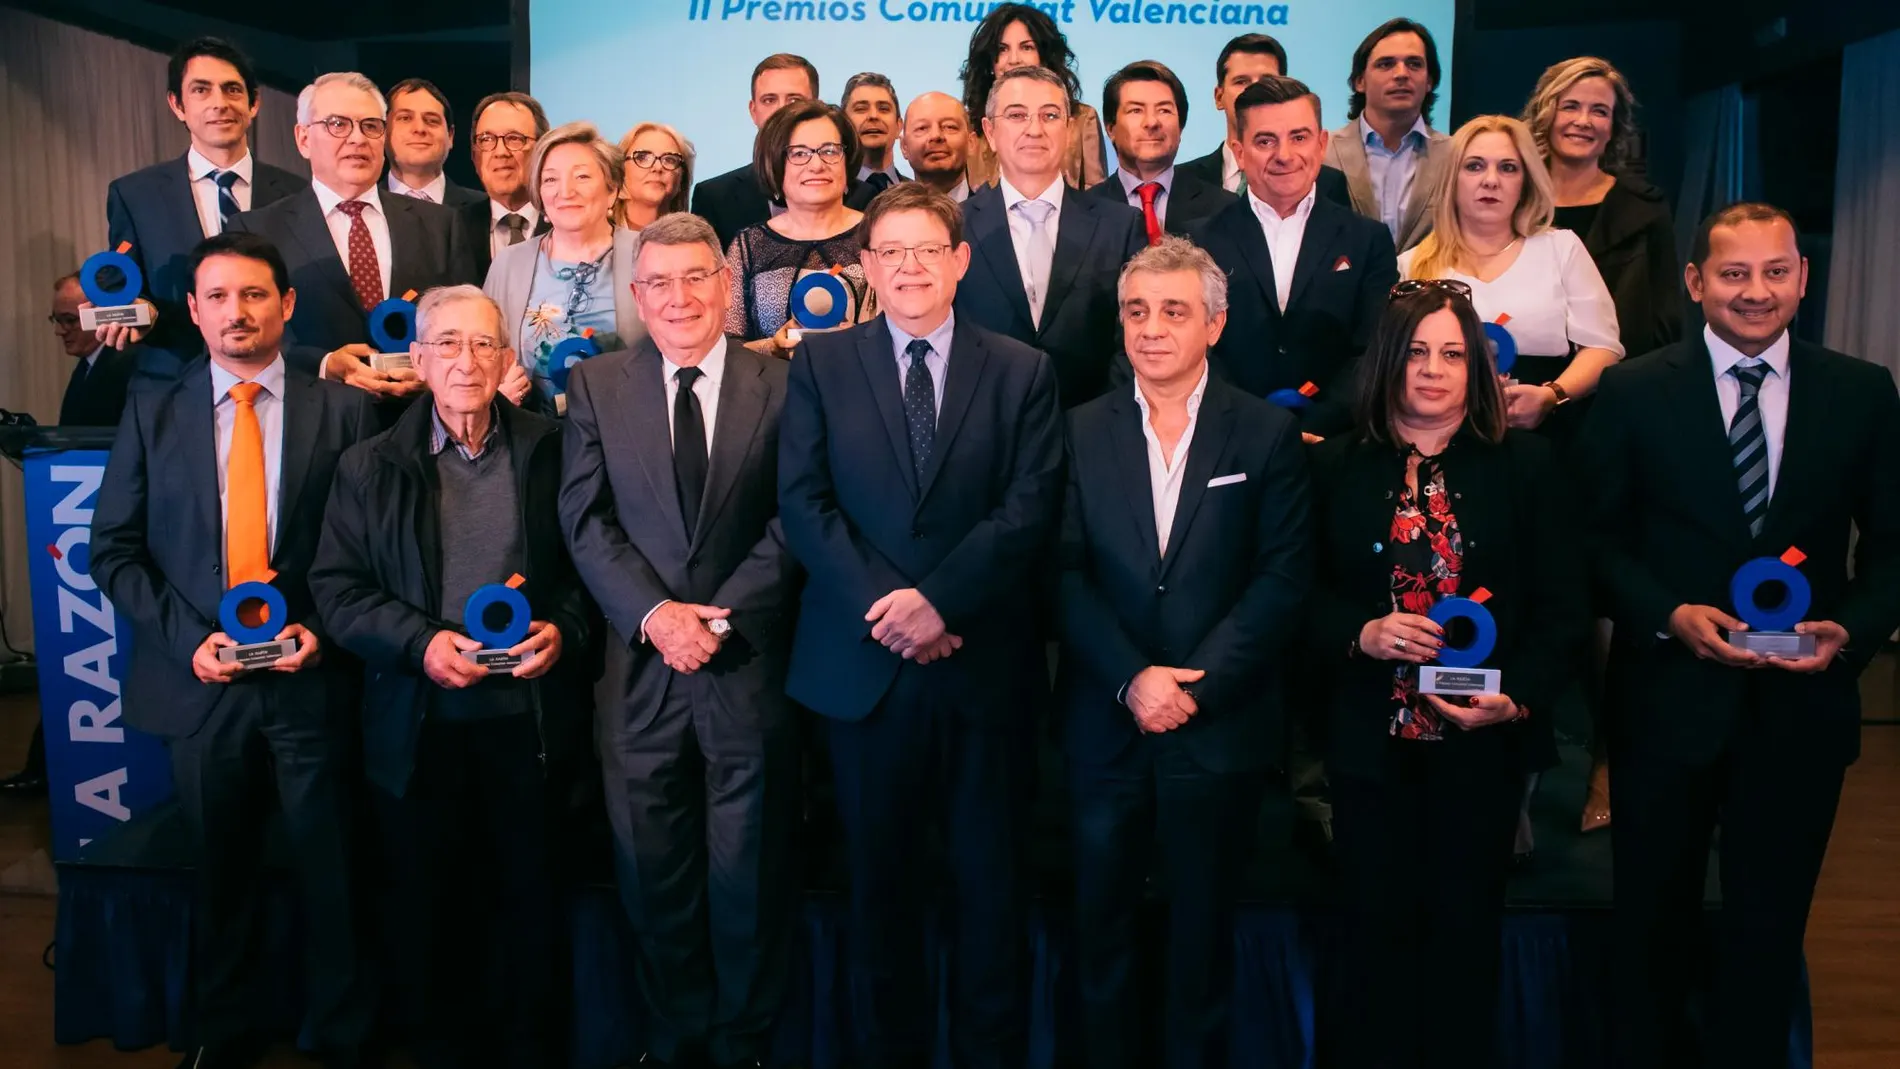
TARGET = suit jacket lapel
x,y
1130,447
887,393
1211,430
195,416
989,232
310,231
652,433
1316,246
1252,241
1352,162
742,398
184,214
1807,417
1424,181
1074,233
408,236
1705,445
968,354
303,405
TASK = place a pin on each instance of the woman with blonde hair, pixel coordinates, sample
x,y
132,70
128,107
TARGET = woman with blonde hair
x,y
657,176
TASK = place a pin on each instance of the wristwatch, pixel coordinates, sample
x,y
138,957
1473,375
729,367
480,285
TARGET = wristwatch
x,y
1557,388
719,628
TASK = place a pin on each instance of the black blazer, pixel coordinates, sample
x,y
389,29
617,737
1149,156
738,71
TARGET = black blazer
x,y
378,580
427,243
1081,325
620,510
158,541
154,210
477,222
1633,243
1520,543
1345,269
1660,495
969,536
1331,182
1226,599
457,198
99,399
1190,201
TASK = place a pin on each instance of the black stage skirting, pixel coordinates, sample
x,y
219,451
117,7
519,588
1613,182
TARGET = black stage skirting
x,y
124,939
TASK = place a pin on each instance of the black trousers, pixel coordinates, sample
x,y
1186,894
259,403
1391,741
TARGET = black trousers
x,y
1776,809
1204,825
253,751
472,907
704,805
920,762
1424,852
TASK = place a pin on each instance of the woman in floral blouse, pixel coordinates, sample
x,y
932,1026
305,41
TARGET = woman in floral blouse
x,y
1431,497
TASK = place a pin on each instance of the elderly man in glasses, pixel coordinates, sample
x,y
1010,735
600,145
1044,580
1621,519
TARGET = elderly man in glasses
x,y
466,749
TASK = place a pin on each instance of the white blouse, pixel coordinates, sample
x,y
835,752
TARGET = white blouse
x,y
1552,292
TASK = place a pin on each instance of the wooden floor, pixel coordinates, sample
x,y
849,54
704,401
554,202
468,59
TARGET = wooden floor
x,y
1853,937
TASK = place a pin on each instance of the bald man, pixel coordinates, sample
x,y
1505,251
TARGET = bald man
x,y
937,142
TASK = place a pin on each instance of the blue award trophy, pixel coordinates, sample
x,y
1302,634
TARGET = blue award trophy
x,y
820,301
1457,671
497,636
392,329
1294,400
1503,345
117,305
561,361
253,613
1771,630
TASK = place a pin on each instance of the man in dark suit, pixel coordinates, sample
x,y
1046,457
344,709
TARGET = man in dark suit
x,y
671,506
870,102
1309,277
1735,444
421,133
1172,630
95,391
1146,106
350,245
166,209
1243,61
734,200
216,480
506,127
920,474
466,763
1045,258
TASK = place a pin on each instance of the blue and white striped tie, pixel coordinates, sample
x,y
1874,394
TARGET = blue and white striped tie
x,y
1748,444
227,199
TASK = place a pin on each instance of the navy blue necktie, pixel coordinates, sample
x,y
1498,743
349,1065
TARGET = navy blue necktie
x,y
227,199
1748,445
879,181
920,406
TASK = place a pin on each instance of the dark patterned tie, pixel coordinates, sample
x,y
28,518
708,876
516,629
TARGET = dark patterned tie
x,y
689,446
227,198
517,225
920,406
1748,445
879,181
366,276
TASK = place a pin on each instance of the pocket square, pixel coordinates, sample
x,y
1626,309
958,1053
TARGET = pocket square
x,y
1342,264
1227,480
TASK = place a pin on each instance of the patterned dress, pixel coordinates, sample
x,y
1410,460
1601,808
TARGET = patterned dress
x,y
1428,553
767,264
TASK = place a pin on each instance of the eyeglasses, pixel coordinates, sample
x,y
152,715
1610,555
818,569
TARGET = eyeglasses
x,y
515,142
63,321
482,349
927,255
800,155
1420,285
668,161
1045,117
665,285
341,125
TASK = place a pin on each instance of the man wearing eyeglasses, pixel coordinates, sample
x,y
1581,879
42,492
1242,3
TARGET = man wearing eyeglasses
x,y
1046,257
506,127
670,505
349,245
95,392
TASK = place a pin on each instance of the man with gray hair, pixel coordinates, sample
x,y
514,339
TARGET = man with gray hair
x,y
870,102
670,505
349,245
1173,629
454,508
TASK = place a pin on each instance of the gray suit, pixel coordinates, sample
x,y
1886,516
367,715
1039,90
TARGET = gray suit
x,y
510,282
700,769
1348,153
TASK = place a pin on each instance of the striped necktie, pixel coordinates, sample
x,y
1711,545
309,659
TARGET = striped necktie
x,y
1748,444
227,197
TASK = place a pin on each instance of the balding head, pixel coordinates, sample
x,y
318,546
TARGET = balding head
x,y
937,138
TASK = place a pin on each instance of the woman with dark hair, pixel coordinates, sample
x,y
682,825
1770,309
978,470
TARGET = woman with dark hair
x,y
1018,35
1433,497
803,157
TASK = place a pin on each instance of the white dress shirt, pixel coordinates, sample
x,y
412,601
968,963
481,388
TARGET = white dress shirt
x,y
1166,473
936,361
961,191
498,233
706,389
269,406
1284,237
374,219
1552,292
1772,398
1391,173
1020,238
433,192
1131,182
92,358
1231,179
204,189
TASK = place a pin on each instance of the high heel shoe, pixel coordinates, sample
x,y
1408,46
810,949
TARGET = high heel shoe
x,y
1596,805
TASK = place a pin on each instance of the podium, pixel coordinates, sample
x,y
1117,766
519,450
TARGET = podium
x,y
100,774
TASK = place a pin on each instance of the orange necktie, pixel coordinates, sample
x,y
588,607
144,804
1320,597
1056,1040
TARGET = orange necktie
x,y
247,510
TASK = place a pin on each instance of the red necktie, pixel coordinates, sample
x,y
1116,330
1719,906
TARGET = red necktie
x,y
365,276
1149,191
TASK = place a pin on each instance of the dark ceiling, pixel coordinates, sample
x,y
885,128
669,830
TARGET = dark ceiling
x,y
351,19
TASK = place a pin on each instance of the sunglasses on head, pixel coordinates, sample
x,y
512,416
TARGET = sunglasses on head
x,y
1420,285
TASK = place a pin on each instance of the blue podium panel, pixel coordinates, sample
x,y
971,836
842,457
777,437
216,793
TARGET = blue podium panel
x,y
100,773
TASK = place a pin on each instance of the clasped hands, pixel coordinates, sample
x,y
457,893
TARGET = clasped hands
x,y
1415,639
1159,700
1700,627
678,631
206,666
905,623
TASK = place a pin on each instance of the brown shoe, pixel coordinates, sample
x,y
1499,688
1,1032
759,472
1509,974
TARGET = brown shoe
x,y
1596,805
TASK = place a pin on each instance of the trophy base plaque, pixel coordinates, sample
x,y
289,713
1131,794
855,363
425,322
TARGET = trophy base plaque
x,y
1458,682
258,654
130,315
1788,645
496,661
391,361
